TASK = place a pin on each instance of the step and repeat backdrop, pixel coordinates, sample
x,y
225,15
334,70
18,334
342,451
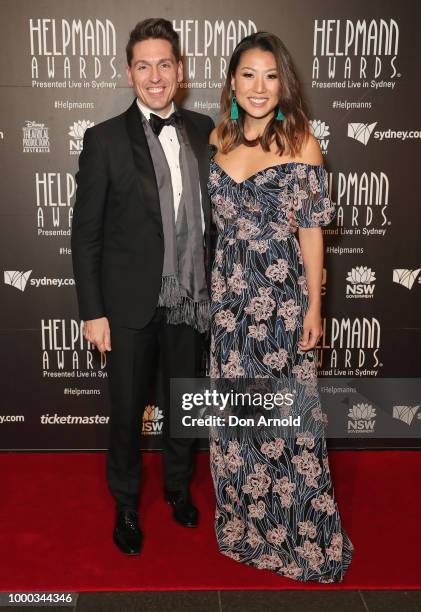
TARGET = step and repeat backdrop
x,y
62,70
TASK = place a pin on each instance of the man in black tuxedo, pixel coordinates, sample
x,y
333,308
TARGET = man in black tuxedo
x,y
140,245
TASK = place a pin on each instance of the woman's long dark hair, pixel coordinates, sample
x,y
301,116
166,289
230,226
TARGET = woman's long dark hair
x,y
290,133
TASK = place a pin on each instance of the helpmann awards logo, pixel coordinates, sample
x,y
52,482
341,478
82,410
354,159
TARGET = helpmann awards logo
x,y
356,54
206,48
72,53
362,203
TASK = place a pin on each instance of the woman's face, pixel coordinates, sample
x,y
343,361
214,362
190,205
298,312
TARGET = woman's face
x,y
256,83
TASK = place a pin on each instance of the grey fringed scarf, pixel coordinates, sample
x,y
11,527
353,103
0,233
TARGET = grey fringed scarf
x,y
184,291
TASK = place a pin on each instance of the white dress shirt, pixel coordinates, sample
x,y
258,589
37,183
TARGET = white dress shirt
x,y
171,147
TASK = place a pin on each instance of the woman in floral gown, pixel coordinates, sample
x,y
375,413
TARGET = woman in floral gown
x,y
276,507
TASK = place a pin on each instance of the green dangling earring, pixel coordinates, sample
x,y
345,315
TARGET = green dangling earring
x,y
234,109
280,116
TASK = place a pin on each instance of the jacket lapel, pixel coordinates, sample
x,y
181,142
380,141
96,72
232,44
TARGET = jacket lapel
x,y
198,142
145,172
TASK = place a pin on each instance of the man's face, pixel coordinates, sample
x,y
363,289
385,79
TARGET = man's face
x,y
154,74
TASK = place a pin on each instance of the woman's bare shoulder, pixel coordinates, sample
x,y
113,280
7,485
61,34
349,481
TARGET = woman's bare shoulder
x,y
310,152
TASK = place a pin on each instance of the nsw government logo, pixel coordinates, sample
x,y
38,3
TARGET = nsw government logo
x,y
35,138
321,131
360,283
361,419
76,133
152,421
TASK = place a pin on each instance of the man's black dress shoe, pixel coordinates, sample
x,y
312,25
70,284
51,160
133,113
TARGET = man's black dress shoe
x,y
127,535
184,512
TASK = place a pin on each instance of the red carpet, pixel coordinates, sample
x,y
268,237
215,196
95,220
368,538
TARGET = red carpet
x,y
56,521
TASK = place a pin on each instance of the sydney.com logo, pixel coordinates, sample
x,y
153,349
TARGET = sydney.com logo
x,y
363,131
19,280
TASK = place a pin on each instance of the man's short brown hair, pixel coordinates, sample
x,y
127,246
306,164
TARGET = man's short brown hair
x,y
153,28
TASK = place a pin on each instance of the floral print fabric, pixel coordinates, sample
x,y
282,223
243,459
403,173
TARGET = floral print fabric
x,y
275,503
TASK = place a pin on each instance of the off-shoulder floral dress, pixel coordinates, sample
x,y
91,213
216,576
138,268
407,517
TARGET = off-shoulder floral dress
x,y
275,503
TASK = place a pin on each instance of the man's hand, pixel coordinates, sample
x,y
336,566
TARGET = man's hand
x,y
97,331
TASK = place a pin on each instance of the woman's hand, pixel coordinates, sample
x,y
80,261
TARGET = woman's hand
x,y
312,329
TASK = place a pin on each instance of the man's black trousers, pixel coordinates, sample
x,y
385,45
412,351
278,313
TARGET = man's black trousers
x,y
132,367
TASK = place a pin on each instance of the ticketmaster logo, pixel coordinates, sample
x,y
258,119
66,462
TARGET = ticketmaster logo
x,y
70,419
404,277
361,131
17,279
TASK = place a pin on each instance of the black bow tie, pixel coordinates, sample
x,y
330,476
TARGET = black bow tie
x,y
157,123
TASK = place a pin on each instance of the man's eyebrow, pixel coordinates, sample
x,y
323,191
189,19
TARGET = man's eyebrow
x,y
142,61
